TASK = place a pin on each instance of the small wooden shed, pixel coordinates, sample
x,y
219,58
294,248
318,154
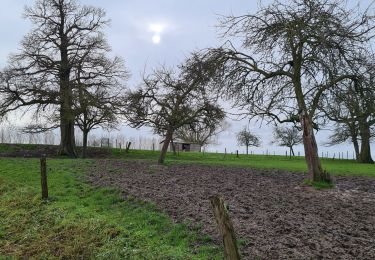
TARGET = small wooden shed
x,y
185,146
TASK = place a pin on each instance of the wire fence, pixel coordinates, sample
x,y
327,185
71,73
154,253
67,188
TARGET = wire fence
x,y
12,134
344,155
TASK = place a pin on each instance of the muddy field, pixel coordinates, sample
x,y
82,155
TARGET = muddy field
x,y
276,216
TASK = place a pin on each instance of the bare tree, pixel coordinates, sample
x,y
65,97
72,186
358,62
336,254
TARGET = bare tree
x,y
344,132
98,94
40,75
352,107
92,117
202,133
288,137
292,52
247,139
169,100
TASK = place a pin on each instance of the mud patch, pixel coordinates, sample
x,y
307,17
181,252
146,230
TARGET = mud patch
x,y
272,212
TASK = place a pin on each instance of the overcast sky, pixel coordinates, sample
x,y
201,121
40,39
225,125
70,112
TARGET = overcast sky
x,y
150,33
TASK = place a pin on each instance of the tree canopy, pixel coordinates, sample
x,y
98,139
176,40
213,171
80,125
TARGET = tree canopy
x,y
288,137
290,54
168,100
247,139
66,40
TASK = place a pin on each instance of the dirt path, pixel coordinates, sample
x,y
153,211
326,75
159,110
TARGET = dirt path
x,y
277,217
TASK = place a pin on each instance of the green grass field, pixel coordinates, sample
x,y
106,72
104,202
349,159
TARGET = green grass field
x,y
82,222
294,164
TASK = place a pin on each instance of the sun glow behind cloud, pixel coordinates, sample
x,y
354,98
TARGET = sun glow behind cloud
x,y
156,39
156,29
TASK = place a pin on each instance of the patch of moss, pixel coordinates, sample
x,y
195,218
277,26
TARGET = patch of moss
x,y
319,185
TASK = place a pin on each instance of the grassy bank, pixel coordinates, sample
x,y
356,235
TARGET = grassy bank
x,y
79,221
295,164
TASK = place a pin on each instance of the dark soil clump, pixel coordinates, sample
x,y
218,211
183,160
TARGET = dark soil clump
x,y
276,216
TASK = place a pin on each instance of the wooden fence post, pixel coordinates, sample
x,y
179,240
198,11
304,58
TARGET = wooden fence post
x,y
43,177
237,153
226,228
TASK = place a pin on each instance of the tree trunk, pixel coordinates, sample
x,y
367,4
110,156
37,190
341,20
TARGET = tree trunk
x,y
356,146
365,153
314,167
173,147
67,142
84,143
291,150
164,149
128,147
247,150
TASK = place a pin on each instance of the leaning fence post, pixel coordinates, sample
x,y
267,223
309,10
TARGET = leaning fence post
x,y
43,177
226,228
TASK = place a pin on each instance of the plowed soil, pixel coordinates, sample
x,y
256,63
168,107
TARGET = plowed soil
x,y
276,216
